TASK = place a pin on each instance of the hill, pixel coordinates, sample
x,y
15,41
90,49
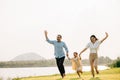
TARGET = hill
x,y
28,57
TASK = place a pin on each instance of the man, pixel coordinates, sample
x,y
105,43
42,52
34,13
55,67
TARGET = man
x,y
58,52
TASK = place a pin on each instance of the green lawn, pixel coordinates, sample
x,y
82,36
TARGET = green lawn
x,y
110,74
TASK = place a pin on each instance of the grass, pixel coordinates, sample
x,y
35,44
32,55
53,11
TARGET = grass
x,y
110,74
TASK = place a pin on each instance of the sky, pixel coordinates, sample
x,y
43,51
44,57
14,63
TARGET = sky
x,y
22,25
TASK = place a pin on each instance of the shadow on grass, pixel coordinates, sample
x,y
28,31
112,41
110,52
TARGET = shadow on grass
x,y
70,79
96,78
16,79
59,79
75,78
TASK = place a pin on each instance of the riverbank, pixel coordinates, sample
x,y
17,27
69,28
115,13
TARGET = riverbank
x,y
109,74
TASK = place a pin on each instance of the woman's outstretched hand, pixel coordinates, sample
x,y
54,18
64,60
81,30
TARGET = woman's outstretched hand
x,y
104,37
106,34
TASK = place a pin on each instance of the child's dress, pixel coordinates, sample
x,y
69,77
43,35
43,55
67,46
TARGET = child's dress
x,y
76,64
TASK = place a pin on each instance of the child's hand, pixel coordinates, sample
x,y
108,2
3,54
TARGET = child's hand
x,y
68,56
80,57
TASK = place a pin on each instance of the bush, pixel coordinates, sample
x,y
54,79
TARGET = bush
x,y
116,63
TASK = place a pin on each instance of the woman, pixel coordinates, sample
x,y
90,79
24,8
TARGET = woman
x,y
93,57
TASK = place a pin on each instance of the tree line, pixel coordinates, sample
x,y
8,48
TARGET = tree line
x,y
49,63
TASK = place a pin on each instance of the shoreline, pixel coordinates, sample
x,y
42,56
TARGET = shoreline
x,y
39,71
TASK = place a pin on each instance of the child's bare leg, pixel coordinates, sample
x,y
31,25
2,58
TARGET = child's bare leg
x,y
78,72
81,71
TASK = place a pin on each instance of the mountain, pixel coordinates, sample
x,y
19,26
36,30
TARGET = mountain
x,y
28,57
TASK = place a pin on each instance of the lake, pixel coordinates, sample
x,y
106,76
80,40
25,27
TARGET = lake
x,y
10,73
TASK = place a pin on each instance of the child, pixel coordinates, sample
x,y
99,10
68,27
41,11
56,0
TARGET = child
x,y
76,63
